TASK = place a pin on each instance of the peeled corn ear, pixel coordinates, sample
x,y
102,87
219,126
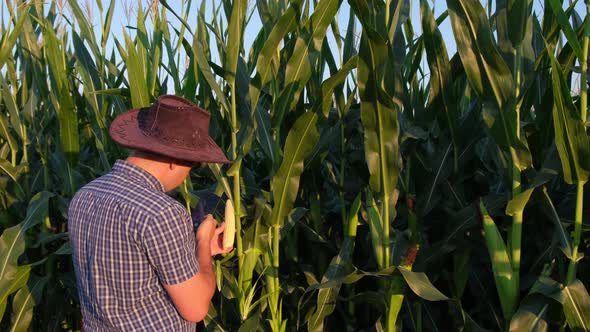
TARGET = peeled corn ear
x,y
230,225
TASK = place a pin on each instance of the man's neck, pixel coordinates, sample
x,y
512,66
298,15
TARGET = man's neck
x,y
155,168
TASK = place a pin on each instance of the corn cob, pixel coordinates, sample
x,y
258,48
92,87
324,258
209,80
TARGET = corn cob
x,y
230,225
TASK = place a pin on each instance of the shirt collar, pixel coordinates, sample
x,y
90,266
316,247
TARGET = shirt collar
x,y
130,170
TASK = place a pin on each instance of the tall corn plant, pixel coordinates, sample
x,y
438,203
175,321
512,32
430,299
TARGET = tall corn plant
x,y
379,115
491,79
502,98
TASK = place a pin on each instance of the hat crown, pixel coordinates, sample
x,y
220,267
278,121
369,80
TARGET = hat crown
x,y
175,121
172,126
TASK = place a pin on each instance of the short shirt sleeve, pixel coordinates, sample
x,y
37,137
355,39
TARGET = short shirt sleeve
x,y
170,245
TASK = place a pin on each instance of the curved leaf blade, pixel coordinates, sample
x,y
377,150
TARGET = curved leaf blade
x,y
298,70
285,184
12,242
438,62
331,83
24,301
484,66
381,128
551,212
421,285
9,40
570,34
136,73
234,38
501,264
18,279
570,134
577,306
339,267
284,25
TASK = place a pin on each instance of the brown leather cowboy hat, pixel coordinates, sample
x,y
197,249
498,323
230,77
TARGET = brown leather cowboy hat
x,y
172,126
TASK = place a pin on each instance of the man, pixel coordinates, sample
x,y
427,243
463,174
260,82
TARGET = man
x,y
139,264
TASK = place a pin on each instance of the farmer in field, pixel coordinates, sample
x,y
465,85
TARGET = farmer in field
x,y
139,264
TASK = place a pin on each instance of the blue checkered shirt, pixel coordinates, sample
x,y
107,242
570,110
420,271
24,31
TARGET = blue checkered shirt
x,y
128,240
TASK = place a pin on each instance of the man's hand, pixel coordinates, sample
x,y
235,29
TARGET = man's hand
x,y
209,233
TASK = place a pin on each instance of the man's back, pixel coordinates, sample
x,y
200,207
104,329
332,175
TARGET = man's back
x,y
128,239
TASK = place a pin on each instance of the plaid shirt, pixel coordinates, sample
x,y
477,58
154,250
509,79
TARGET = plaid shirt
x,y
128,239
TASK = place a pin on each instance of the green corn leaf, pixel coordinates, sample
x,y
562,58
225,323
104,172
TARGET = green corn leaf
x,y
189,88
562,20
327,296
155,54
136,73
531,315
375,227
439,65
518,13
470,324
264,133
182,20
338,268
12,246
6,135
570,135
551,213
331,83
24,301
379,118
10,103
398,9
421,285
142,45
371,14
12,282
461,271
90,78
68,126
501,265
285,184
336,32
517,204
488,74
352,217
9,39
205,69
86,29
106,27
222,180
298,70
7,168
502,126
251,256
576,306
61,97
234,40
349,40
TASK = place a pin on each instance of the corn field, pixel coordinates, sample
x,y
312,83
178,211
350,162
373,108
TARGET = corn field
x,y
379,182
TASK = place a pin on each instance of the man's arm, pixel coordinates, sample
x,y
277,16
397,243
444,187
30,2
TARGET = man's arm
x,y
193,296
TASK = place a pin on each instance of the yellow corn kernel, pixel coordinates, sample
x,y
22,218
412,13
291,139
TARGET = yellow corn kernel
x,y
230,225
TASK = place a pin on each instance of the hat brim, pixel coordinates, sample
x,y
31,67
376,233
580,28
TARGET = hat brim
x,y
125,131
